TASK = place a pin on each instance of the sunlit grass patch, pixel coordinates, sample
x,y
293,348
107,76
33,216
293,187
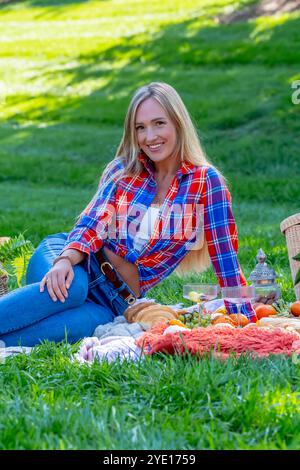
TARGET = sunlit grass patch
x,y
67,72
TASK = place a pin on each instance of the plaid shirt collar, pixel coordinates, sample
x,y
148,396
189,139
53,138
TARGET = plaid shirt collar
x,y
184,169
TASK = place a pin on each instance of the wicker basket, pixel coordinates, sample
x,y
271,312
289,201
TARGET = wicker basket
x,y
290,227
3,285
3,279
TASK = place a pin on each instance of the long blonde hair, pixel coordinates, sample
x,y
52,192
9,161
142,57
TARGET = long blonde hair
x,y
188,147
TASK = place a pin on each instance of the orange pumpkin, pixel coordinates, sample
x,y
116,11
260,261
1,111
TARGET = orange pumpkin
x,y
223,319
264,311
295,308
239,319
177,322
257,304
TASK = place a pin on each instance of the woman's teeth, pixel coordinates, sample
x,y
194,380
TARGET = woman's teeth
x,y
154,147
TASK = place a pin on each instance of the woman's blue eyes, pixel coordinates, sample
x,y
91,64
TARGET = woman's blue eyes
x,y
142,127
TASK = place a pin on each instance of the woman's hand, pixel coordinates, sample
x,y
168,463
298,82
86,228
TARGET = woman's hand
x,y
58,280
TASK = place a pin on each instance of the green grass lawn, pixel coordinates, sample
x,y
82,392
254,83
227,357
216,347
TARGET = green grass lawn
x,y
67,72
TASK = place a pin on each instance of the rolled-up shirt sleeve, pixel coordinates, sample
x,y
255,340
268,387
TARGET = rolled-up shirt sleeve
x,y
93,223
222,237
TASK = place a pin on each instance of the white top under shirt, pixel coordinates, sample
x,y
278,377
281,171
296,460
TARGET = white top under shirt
x,y
146,227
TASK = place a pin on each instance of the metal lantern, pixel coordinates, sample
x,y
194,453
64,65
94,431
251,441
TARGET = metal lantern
x,y
264,278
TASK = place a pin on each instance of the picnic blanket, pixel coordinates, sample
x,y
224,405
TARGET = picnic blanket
x,y
110,348
117,339
123,340
221,342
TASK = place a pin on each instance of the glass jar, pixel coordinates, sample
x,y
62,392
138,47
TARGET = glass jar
x,y
263,278
266,293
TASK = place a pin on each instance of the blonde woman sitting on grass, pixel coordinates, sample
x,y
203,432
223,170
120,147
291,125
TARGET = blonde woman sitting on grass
x,y
160,206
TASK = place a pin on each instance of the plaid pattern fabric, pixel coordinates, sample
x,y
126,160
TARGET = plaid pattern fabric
x,y
114,214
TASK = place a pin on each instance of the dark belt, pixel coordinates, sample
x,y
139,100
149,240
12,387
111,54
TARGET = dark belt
x,y
110,273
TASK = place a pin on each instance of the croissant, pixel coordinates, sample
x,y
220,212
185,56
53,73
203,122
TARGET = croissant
x,y
152,314
131,312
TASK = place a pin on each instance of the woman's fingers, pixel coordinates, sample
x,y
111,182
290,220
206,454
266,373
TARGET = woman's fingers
x,y
70,278
56,288
62,285
42,283
57,283
50,289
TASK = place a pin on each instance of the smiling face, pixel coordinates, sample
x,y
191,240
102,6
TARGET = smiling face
x,y
156,133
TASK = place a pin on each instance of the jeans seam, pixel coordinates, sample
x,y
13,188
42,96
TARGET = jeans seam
x,y
21,327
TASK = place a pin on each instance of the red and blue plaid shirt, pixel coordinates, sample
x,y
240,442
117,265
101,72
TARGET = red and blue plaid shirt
x,y
113,216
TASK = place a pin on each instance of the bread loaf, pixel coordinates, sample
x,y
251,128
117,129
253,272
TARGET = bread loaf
x,y
150,313
280,322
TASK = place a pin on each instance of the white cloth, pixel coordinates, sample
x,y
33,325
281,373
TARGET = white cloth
x,y
110,348
212,305
12,351
146,227
112,341
119,327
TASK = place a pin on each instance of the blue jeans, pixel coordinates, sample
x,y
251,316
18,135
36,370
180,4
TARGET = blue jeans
x,y
28,316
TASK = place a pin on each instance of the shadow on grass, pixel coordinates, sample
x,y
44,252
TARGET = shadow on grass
x,y
204,65
182,48
222,96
